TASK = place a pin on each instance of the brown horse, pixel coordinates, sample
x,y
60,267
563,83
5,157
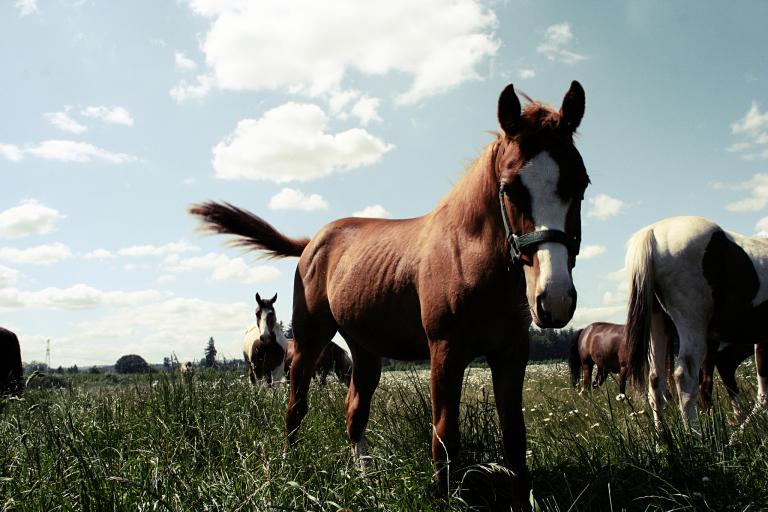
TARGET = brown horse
x,y
11,371
334,358
599,344
450,285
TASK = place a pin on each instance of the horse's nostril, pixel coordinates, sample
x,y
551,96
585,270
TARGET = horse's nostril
x,y
544,315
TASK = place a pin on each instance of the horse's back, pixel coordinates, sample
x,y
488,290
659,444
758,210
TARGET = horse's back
x,y
604,341
363,273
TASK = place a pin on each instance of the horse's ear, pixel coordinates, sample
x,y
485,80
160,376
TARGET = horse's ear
x,y
258,299
273,299
509,110
572,109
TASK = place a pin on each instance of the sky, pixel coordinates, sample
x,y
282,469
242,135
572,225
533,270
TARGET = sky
x,y
116,116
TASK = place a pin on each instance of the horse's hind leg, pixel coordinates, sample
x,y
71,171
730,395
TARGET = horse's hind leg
x,y
761,366
366,372
707,376
693,340
312,331
657,372
586,371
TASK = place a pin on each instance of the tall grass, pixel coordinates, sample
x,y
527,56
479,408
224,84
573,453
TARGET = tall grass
x,y
213,442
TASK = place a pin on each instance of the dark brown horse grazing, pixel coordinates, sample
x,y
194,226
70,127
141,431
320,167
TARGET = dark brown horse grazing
x,y
450,285
11,372
727,359
599,344
334,359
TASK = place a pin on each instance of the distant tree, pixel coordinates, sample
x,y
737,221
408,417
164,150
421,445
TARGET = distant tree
x,y
131,363
36,366
167,363
73,369
60,369
210,354
94,369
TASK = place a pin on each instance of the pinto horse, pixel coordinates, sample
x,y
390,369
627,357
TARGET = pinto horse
x,y
448,286
11,371
264,345
599,344
713,285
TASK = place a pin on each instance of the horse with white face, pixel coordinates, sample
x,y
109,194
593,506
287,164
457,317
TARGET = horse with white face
x,y
713,285
264,345
450,285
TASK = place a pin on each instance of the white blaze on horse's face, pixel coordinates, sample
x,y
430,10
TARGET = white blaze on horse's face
x,y
265,318
550,290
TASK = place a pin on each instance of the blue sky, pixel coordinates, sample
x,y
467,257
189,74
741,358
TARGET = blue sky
x,y
117,115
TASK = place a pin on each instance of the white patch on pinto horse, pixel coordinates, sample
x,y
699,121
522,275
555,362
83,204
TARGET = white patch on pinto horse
x,y
342,344
541,176
757,250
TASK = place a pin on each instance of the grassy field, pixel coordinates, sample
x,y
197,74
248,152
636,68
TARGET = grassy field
x,y
159,442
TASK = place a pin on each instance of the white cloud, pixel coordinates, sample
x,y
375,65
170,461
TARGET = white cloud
x,y
266,45
8,276
73,151
112,115
11,152
185,91
754,128
62,121
762,227
26,7
223,268
366,110
585,316
37,255
591,251
526,73
557,38
604,207
292,199
99,254
758,198
290,143
29,217
374,211
79,296
753,122
158,250
183,63
154,330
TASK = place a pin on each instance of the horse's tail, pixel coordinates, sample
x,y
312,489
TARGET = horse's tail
x,y
253,232
574,358
639,265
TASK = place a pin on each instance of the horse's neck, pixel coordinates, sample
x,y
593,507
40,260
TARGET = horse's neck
x,y
473,205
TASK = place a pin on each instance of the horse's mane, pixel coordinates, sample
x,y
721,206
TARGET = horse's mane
x,y
467,203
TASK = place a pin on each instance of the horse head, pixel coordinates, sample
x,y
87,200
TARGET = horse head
x,y
542,180
266,318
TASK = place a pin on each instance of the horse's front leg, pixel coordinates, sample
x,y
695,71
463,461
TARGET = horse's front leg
x,y
447,375
508,373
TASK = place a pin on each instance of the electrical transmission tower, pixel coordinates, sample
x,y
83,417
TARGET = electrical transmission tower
x,y
48,353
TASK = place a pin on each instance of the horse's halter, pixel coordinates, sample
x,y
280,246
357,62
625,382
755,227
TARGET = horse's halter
x,y
519,242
